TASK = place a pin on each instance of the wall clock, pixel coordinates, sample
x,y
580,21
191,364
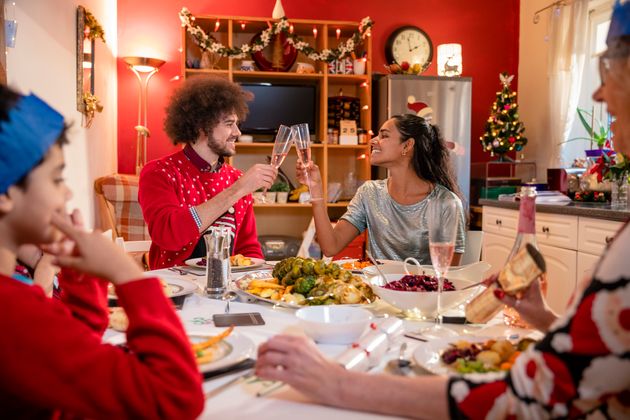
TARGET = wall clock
x,y
410,44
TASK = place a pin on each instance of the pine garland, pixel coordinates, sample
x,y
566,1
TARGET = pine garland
x,y
209,43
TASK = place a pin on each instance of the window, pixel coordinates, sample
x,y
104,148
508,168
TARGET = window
x,y
599,21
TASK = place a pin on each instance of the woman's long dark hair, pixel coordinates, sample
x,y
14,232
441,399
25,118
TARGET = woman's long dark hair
x,y
431,160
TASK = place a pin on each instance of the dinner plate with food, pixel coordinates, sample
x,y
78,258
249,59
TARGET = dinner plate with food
x,y
296,282
238,263
462,355
214,352
353,264
174,287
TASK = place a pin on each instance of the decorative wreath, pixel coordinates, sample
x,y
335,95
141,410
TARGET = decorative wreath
x,y
209,43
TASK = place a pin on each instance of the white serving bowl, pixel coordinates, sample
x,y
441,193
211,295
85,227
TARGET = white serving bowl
x,y
334,324
424,304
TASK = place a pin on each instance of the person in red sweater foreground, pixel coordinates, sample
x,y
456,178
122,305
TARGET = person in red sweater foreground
x,y
53,363
187,193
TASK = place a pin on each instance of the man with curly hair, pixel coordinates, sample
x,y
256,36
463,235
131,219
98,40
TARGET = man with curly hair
x,y
188,192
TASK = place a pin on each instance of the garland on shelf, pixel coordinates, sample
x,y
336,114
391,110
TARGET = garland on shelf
x,y
209,43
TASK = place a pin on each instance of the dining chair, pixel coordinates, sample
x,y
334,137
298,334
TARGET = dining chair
x,y
119,210
472,254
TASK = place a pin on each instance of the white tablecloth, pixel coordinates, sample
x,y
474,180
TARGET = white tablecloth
x,y
240,401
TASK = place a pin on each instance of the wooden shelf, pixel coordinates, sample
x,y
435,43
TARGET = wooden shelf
x,y
269,145
348,146
281,206
338,204
273,75
335,161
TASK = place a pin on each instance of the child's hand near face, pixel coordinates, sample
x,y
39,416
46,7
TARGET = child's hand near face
x,y
91,252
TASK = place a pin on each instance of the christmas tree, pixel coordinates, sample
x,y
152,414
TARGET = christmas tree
x,y
504,131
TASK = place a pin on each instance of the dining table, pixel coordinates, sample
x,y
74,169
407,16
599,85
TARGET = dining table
x,y
237,398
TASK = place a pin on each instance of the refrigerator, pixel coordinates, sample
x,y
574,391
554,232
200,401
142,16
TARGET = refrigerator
x,y
445,101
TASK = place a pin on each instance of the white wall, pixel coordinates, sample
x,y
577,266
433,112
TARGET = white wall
x,y
43,61
533,87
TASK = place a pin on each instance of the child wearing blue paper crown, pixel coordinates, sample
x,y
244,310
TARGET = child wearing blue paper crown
x,y
580,369
52,361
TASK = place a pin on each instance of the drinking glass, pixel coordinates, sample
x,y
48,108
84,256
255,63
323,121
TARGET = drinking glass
x,y
303,145
443,219
281,146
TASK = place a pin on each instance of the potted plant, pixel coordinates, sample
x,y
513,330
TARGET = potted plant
x,y
281,189
598,133
258,196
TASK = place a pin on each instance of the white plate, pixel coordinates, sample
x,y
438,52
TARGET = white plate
x,y
240,285
256,264
429,354
237,348
179,286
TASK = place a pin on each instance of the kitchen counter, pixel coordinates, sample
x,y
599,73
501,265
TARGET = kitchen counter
x,y
594,210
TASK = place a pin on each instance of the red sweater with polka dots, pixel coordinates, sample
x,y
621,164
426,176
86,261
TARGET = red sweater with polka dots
x,y
169,187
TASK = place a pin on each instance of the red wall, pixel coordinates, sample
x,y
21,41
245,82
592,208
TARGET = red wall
x,y
488,31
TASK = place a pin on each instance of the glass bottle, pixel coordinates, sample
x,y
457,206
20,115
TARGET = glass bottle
x,y
526,234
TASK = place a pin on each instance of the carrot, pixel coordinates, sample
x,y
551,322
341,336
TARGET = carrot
x,y
513,357
212,340
505,366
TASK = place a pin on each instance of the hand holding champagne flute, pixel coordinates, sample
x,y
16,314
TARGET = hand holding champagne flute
x,y
281,147
303,145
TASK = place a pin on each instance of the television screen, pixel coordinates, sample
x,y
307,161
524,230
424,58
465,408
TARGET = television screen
x,y
275,104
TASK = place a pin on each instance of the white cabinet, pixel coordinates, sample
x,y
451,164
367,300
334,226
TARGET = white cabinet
x,y
561,276
495,250
571,246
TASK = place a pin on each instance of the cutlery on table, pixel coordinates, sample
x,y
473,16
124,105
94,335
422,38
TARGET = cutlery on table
x,y
183,271
271,388
242,378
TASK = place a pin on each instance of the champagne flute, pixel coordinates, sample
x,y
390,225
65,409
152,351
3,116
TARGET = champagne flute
x,y
443,220
281,146
303,145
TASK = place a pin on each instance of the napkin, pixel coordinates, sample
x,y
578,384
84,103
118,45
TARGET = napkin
x,y
372,346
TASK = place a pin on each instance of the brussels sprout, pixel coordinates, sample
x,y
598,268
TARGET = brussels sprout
x,y
304,285
320,267
288,280
308,267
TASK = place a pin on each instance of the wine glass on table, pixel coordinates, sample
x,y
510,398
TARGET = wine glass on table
x,y
443,220
303,146
281,146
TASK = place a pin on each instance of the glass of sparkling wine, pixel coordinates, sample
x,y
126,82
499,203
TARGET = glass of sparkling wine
x,y
303,145
281,146
443,219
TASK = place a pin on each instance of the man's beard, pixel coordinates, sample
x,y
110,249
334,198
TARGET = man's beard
x,y
221,150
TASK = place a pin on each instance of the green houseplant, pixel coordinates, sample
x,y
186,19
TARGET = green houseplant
x,y
281,189
598,132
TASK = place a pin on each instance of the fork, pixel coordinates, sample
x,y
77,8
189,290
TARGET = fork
x,y
183,272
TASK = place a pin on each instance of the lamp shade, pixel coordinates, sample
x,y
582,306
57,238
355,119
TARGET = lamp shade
x,y
144,64
449,60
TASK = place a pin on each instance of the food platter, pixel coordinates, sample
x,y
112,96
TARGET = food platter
x,y
240,286
229,351
256,264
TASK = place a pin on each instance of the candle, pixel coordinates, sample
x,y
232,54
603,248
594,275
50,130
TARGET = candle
x,y
338,31
314,32
217,25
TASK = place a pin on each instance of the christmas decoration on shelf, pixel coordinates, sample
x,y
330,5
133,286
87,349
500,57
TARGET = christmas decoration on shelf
x,y
209,43
504,131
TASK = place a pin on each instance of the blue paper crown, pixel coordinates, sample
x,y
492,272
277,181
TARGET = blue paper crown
x,y
620,21
33,126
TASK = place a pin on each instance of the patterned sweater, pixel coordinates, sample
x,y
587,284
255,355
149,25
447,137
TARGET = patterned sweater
x,y
580,369
169,187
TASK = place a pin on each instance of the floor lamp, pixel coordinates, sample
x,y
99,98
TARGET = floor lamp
x,y
144,68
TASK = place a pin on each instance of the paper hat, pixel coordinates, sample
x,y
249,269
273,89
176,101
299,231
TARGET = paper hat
x,y
620,21
33,126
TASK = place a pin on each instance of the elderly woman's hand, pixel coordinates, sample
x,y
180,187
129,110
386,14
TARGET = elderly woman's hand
x,y
296,361
530,304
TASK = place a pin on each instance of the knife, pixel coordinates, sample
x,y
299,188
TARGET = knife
x,y
242,378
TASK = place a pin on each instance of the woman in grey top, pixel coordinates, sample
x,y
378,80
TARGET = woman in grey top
x,y
393,210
